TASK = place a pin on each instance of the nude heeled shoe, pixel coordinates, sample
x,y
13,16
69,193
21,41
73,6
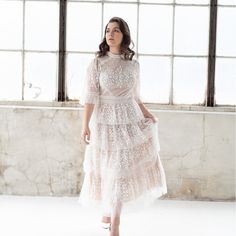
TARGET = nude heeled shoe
x,y
106,225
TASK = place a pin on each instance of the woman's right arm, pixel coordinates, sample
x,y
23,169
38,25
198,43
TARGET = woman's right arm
x,y
91,96
85,133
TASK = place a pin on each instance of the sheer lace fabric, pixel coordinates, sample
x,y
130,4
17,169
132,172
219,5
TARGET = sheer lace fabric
x,y
122,161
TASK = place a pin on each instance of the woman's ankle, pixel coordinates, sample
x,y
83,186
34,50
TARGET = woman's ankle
x,y
114,230
106,219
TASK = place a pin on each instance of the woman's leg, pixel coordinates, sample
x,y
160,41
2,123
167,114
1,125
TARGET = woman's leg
x,y
115,218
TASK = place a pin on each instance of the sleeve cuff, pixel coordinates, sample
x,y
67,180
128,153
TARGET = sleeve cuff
x,y
90,98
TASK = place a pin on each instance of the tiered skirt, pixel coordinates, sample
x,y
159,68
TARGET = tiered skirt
x,y
122,162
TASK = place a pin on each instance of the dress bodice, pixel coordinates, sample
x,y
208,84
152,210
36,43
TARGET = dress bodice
x,y
117,76
112,75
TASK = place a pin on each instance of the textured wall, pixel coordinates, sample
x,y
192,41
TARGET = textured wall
x,y
198,151
41,152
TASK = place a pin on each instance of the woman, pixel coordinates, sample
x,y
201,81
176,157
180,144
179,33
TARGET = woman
x,y
121,163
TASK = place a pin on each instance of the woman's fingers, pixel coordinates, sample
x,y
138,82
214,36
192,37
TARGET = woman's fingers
x,y
88,136
150,116
155,119
85,136
85,139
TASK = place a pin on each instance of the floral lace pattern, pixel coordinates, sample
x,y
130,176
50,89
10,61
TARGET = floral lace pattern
x,y
118,112
122,161
112,76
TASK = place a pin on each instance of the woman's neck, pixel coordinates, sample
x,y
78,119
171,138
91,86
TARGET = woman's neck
x,y
115,50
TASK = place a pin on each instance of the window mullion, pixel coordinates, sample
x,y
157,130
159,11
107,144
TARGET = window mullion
x,y
211,55
62,50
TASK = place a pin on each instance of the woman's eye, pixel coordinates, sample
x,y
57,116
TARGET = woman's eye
x,y
115,31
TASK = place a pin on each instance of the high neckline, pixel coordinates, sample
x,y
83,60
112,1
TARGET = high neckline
x,y
112,55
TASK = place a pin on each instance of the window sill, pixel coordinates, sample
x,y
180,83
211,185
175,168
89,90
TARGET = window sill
x,y
71,105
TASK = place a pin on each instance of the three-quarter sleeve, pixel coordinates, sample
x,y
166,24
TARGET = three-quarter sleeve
x,y
91,83
136,90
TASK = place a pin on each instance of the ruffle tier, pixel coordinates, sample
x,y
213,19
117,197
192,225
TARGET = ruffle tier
x,y
142,186
124,136
120,160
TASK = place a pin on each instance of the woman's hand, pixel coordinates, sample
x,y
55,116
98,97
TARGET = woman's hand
x,y
149,115
146,113
85,134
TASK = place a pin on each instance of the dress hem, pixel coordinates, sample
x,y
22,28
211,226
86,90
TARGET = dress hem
x,y
143,201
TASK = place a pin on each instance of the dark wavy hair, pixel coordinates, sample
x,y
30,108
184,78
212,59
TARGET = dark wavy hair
x,y
124,47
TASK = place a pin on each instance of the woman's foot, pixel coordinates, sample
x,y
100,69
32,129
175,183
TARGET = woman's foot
x,y
106,222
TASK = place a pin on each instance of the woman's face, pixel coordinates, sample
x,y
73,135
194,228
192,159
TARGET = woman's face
x,y
114,35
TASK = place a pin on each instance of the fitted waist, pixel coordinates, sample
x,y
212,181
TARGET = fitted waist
x,y
115,99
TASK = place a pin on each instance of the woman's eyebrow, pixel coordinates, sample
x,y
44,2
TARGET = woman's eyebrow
x,y
113,28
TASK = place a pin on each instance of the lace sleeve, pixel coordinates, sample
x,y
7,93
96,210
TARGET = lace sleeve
x,y
91,83
136,92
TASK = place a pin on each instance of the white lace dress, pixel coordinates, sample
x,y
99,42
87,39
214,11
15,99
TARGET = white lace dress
x,y
122,161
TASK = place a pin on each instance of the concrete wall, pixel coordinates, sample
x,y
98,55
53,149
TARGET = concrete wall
x,y
41,152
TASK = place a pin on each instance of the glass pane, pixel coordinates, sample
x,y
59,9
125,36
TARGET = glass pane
x,y
11,21
225,81
40,76
155,36
227,2
127,12
157,1
11,79
190,80
75,74
41,25
155,79
193,1
191,30
83,36
226,36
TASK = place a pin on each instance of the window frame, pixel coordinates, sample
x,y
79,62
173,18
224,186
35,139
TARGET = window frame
x,y
62,52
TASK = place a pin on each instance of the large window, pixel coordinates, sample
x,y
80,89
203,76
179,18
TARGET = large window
x,y
171,41
28,50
